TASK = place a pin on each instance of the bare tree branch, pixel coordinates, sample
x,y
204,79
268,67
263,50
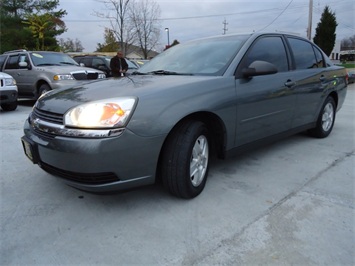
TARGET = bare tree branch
x,y
117,14
144,16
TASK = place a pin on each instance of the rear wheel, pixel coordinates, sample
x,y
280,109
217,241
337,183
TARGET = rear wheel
x,y
325,120
185,160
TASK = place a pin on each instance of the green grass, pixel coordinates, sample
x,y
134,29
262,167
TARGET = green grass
x,y
348,65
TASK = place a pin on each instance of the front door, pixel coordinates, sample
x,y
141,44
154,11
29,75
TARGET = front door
x,y
266,103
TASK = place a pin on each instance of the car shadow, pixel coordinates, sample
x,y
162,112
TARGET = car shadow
x,y
26,102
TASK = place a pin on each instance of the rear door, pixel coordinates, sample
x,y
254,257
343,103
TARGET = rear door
x,y
311,78
265,104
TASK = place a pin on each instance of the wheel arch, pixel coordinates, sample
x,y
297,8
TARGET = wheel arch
x,y
334,95
40,83
216,128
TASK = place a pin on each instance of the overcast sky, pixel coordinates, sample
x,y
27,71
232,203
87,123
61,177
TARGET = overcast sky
x,y
190,19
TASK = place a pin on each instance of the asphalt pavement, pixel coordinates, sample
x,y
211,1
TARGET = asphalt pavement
x,y
290,203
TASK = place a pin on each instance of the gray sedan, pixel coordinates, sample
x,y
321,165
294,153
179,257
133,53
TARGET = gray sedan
x,y
210,97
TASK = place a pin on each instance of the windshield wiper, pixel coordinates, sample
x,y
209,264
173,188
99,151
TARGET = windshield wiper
x,y
166,72
139,73
47,64
67,63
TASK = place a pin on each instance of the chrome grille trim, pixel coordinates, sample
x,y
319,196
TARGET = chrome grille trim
x,y
48,116
46,127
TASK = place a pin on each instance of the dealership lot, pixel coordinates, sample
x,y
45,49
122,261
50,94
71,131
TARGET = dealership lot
x,y
287,203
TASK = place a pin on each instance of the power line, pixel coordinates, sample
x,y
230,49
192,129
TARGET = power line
x,y
191,17
277,16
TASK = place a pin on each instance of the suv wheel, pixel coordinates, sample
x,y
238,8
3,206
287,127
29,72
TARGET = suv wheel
x,y
43,89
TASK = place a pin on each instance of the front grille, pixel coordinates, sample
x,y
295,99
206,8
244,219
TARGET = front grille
x,y
84,178
85,76
48,116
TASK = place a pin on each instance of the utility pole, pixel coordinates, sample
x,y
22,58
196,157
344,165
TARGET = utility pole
x,y
225,26
309,29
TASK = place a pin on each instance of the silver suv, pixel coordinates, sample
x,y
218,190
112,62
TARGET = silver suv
x,y
37,72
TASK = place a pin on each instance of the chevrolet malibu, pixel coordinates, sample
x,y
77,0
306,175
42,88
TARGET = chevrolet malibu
x,y
216,96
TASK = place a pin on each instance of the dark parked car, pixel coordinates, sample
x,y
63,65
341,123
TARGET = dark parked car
x,y
214,96
102,63
351,76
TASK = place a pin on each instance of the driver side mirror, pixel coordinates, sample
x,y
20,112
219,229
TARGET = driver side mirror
x,y
258,68
24,65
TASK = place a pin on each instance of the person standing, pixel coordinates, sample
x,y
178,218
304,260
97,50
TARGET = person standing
x,y
118,65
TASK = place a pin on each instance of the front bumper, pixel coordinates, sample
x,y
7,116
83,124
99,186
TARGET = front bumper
x,y
96,164
8,96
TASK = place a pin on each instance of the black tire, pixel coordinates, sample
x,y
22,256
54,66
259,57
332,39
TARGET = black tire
x,y
325,120
9,106
43,89
186,148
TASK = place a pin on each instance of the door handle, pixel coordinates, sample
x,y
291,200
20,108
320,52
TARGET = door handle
x,y
290,83
322,78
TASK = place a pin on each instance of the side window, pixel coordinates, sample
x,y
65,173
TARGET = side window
x,y
303,54
269,49
87,62
12,62
97,62
319,57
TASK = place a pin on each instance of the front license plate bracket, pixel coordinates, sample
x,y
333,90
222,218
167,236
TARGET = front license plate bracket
x,y
30,149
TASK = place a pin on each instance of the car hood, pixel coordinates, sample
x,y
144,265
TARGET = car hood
x,y
64,69
59,101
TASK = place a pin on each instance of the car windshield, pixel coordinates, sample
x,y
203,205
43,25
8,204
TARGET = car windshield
x,y
201,57
49,59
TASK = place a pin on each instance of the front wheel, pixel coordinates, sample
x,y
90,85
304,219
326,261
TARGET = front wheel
x,y
325,120
43,89
185,160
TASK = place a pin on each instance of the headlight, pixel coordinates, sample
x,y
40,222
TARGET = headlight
x,y
106,113
101,76
63,77
10,81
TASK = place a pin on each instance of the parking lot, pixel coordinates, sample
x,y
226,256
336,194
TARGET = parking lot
x,y
290,203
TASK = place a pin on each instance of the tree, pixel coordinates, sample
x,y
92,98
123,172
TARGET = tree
x,y
38,24
144,15
110,44
118,17
325,32
70,46
15,34
133,23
